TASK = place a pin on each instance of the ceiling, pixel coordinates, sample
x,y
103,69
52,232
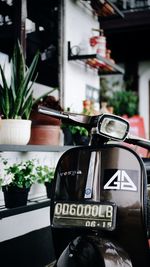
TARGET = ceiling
x,y
128,37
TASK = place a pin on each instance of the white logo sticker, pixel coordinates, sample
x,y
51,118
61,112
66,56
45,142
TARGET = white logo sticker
x,y
123,182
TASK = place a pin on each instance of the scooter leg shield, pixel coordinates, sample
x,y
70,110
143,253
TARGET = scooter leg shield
x,y
91,251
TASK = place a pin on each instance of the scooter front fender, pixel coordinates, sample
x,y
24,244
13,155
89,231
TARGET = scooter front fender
x,y
93,251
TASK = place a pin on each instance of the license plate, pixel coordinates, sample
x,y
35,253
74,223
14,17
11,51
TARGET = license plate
x,y
89,215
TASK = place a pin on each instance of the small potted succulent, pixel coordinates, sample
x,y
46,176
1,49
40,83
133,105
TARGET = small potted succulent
x,y
16,180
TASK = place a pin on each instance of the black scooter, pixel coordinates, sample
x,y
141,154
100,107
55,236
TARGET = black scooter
x,y
99,207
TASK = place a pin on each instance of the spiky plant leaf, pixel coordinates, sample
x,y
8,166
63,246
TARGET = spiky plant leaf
x,y
27,107
4,95
18,67
24,87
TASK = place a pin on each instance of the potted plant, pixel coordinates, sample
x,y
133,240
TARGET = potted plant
x,y
45,175
16,180
75,135
80,135
17,98
45,129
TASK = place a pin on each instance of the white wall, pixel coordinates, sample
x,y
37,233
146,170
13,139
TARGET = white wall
x,y
79,22
20,224
41,89
144,78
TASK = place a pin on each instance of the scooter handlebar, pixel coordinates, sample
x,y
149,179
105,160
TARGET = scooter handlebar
x,y
71,118
52,112
138,141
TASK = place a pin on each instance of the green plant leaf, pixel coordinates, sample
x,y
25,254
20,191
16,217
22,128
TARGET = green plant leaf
x,y
27,107
24,87
18,67
78,129
4,95
44,174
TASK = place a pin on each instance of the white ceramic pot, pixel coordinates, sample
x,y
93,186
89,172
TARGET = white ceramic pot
x,y
15,132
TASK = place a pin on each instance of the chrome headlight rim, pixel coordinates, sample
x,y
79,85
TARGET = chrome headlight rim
x,y
113,118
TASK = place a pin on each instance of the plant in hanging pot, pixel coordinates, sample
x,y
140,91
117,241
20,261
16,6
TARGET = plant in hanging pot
x,y
16,180
16,95
45,175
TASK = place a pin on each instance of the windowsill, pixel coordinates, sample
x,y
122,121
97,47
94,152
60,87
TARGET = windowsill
x,y
32,204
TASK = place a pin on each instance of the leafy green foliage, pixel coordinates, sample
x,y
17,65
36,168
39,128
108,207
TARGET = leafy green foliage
x,y
22,174
44,174
17,98
124,102
78,129
25,173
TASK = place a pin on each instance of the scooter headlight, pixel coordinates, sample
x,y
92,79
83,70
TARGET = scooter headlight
x,y
113,127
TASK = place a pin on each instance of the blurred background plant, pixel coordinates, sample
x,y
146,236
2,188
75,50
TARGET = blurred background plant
x,y
124,103
119,95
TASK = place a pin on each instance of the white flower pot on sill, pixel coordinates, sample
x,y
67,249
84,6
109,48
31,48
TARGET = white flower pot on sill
x,y
15,131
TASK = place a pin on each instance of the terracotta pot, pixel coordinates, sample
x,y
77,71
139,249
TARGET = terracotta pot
x,y
41,119
45,135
